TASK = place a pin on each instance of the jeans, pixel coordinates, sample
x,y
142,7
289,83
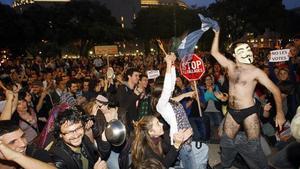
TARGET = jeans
x,y
113,160
250,150
215,118
192,157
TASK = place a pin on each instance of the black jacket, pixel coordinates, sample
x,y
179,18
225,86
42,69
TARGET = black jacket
x,y
65,158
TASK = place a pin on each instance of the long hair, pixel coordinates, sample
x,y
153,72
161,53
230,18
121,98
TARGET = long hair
x,y
155,93
143,141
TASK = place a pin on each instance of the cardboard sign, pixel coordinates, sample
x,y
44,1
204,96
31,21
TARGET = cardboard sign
x,y
279,55
153,74
106,50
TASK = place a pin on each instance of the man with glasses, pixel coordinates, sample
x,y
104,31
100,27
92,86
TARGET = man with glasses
x,y
73,150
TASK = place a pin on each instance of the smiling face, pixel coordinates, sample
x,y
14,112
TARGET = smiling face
x,y
243,54
72,133
15,140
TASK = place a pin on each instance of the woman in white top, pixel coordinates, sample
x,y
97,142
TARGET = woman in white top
x,y
174,114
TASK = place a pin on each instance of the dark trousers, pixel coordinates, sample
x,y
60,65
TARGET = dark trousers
x,y
250,150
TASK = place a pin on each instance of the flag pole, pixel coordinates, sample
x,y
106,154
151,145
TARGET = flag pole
x,y
161,46
197,98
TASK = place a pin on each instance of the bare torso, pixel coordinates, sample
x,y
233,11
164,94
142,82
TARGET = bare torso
x,y
242,82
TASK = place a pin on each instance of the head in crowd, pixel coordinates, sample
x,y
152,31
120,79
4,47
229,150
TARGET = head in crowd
x,y
151,164
297,41
283,74
72,86
7,81
132,75
13,136
217,68
209,80
242,52
37,87
293,49
104,103
143,81
24,95
147,135
60,83
86,85
69,127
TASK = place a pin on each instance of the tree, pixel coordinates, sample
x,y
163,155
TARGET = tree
x,y
165,22
237,17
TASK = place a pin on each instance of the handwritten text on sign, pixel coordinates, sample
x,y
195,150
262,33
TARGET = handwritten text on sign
x,y
279,55
152,74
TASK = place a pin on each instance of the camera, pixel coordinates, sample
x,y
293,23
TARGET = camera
x,y
7,81
86,117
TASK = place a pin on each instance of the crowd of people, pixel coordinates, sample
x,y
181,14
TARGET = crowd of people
x,y
54,112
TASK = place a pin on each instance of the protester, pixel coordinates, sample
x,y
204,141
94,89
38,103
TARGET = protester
x,y
149,144
15,151
73,150
174,114
243,77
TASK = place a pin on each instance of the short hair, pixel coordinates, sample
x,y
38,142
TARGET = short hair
x,y
151,164
143,75
8,126
130,72
70,82
72,115
236,44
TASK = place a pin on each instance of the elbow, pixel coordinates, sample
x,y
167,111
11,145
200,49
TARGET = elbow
x,y
214,52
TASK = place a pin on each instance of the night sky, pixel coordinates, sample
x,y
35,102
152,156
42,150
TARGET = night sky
x,y
288,3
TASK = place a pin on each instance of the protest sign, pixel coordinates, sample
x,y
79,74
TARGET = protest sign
x,y
279,55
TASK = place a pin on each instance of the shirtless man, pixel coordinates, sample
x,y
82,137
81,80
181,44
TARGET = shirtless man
x,y
243,77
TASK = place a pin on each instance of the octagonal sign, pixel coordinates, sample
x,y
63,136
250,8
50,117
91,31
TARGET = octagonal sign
x,y
192,67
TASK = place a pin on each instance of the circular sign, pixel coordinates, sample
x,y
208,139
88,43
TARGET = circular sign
x,y
192,67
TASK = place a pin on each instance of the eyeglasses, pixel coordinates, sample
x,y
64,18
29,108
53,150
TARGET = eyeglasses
x,y
79,129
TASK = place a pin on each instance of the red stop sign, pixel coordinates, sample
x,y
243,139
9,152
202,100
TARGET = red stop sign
x,y
192,67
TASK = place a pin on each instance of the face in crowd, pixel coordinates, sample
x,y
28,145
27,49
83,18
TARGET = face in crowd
x,y
134,78
15,140
72,133
157,128
143,82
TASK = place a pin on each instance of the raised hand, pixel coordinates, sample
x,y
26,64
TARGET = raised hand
x,y
181,136
6,153
221,96
170,58
100,164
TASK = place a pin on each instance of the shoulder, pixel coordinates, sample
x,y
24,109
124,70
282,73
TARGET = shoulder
x,y
39,154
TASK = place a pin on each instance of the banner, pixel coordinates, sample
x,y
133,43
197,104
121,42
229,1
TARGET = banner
x,y
106,50
279,55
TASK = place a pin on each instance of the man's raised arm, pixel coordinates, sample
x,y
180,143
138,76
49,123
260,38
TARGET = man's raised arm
x,y
224,62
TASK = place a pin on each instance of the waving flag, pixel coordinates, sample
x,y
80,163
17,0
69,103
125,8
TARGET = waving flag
x,y
188,44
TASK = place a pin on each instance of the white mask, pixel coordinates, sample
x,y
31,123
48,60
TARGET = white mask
x,y
243,54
